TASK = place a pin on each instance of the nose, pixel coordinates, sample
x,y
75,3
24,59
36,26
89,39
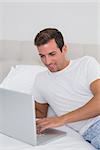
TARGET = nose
x,y
47,60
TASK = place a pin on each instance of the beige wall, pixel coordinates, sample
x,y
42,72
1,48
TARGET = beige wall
x,y
79,22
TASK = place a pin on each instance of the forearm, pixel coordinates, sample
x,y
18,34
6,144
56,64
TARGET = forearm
x,y
89,110
40,114
41,110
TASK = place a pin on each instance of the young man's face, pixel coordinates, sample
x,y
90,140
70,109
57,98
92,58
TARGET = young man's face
x,y
52,57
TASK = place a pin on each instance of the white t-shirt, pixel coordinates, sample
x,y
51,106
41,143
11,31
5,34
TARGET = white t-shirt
x,y
68,89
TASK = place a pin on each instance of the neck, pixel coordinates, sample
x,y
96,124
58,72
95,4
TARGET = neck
x,y
66,63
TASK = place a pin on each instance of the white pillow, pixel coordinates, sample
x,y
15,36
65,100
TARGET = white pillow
x,y
22,77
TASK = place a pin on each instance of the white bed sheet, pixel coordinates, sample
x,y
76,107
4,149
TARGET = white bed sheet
x,y
72,141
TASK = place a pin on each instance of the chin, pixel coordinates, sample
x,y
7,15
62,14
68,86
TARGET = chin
x,y
53,70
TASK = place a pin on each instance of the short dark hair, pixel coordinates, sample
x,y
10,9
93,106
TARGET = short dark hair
x,y
45,35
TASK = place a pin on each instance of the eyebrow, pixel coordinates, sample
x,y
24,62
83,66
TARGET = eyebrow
x,y
48,53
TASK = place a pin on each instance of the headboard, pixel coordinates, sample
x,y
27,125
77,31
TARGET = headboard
x,y
24,52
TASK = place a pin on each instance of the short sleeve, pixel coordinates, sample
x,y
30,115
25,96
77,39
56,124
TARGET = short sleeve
x,y
93,70
37,94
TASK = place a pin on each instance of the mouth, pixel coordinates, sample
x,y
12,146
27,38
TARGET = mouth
x,y
51,67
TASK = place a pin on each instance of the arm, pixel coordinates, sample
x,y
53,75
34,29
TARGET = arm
x,y
41,110
89,110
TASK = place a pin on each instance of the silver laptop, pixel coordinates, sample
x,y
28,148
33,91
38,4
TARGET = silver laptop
x,y
17,119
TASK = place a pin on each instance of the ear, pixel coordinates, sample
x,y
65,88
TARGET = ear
x,y
64,49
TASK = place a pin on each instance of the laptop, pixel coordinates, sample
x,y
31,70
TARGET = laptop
x,y
18,120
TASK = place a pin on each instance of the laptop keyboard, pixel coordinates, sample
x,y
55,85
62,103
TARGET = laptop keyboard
x,y
42,134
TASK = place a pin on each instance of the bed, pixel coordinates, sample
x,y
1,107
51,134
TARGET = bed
x,y
18,58
72,141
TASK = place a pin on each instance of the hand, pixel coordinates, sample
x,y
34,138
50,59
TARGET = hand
x,y
51,122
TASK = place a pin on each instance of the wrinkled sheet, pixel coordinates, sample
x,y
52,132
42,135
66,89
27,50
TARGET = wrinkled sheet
x,y
72,141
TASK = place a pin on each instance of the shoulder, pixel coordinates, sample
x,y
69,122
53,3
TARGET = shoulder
x,y
88,58
39,81
86,63
41,76
91,61
85,60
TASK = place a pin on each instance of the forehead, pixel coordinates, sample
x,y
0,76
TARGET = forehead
x,y
49,47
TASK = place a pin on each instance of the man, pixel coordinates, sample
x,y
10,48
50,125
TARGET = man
x,y
70,87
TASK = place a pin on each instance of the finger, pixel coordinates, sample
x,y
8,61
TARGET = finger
x,y
38,121
43,128
40,129
41,125
41,120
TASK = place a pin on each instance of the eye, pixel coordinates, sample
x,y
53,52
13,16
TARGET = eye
x,y
41,56
52,54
